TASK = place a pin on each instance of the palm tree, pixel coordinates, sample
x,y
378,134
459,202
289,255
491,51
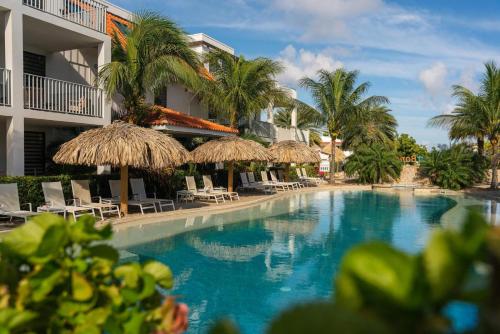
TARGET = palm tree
x,y
373,124
340,101
374,163
308,118
477,116
242,88
153,53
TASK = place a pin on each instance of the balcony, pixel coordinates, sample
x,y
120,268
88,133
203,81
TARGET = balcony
x,y
87,13
5,87
47,94
273,133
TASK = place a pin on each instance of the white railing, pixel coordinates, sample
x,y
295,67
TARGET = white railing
x,y
88,13
47,94
5,87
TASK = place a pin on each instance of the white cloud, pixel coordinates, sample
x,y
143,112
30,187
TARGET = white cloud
x,y
303,63
434,78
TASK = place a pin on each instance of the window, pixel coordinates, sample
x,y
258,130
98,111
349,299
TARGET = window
x,y
34,153
161,98
34,63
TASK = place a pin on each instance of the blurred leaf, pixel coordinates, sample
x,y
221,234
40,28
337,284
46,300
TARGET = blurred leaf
x,y
130,273
474,233
83,230
133,326
15,320
43,282
104,252
161,273
26,239
320,318
81,289
376,272
444,266
148,286
224,327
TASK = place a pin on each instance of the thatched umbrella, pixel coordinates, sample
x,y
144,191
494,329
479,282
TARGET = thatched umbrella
x,y
339,154
122,145
230,150
290,151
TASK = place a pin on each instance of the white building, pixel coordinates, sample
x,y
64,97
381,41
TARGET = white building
x,y
50,52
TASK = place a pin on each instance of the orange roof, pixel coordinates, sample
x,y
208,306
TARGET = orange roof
x,y
165,116
112,28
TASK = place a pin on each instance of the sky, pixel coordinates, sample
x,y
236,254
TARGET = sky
x,y
411,51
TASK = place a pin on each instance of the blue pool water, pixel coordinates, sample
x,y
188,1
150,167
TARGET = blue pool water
x,y
251,270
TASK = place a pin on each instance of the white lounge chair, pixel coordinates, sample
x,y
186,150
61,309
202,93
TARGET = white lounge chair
x,y
202,194
281,176
83,198
139,193
208,184
114,186
275,185
247,185
9,203
55,202
315,180
290,185
252,180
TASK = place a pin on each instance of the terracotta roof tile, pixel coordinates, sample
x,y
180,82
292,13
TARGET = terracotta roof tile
x,y
166,116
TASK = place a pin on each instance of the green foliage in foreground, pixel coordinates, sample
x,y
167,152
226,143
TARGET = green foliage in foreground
x,y
380,289
376,163
454,168
58,277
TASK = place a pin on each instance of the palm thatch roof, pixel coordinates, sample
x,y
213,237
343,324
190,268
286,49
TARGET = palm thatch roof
x,y
290,151
122,144
230,149
339,154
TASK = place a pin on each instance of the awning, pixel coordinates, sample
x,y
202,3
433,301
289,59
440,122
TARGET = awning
x,y
176,122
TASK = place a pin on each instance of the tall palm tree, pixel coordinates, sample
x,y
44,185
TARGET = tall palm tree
x,y
477,116
373,124
340,101
242,88
151,54
308,118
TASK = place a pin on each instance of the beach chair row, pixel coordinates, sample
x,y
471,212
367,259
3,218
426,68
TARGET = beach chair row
x,y
82,202
207,193
269,185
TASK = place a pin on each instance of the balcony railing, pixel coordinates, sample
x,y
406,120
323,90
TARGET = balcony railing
x,y
88,13
5,87
47,94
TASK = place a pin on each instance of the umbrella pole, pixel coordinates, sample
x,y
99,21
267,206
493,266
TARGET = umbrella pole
x,y
230,172
287,172
124,189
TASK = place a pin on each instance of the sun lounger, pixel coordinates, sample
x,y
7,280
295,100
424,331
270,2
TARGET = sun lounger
x,y
139,193
55,202
247,185
275,185
315,180
9,203
202,194
208,184
114,186
252,181
281,178
83,198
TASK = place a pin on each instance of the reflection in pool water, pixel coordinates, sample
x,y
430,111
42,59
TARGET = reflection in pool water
x,y
252,270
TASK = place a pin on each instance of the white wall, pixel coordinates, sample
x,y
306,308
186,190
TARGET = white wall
x,y
79,66
180,99
3,147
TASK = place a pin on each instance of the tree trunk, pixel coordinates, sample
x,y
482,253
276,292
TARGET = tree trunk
x,y
287,173
230,172
494,163
124,189
480,145
332,160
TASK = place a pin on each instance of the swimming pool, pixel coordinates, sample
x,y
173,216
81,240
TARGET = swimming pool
x,y
248,265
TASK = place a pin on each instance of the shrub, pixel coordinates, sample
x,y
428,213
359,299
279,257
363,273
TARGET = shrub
x,y
454,168
58,277
381,289
374,164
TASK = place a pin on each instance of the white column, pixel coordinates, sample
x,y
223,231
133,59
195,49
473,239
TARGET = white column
x,y
104,57
14,47
270,113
